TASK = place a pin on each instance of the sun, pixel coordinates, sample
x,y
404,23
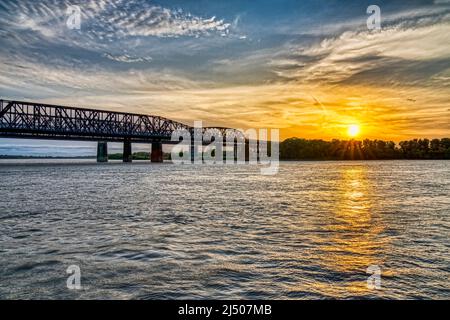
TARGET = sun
x,y
353,130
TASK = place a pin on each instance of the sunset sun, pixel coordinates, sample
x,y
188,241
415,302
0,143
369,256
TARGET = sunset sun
x,y
353,130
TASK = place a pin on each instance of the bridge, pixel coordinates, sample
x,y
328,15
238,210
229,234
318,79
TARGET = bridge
x,y
30,120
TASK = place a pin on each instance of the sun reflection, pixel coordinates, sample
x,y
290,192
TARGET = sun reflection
x,y
354,242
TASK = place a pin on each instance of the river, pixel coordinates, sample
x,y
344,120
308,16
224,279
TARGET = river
x,y
165,231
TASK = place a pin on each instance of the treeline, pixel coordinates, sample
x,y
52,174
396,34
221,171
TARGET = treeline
x,y
302,149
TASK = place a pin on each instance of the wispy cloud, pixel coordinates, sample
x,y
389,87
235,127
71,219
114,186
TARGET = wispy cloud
x,y
127,58
70,77
337,59
103,21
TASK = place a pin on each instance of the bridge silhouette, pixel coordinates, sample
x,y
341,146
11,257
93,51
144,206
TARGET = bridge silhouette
x,y
31,120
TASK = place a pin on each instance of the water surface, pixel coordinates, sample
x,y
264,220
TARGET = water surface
x,y
146,231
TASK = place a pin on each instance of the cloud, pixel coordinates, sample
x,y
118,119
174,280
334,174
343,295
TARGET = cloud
x,y
298,109
68,77
337,59
160,22
127,58
102,21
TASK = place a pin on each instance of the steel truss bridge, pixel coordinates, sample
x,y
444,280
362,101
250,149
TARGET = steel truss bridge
x,y
19,119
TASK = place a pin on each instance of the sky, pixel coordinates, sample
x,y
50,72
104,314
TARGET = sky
x,y
309,68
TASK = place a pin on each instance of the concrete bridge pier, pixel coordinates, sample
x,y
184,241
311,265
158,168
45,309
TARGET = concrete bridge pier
x,y
193,150
247,150
157,152
241,151
127,155
102,151
258,152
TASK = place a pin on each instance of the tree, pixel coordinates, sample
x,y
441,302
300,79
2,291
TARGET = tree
x,y
302,149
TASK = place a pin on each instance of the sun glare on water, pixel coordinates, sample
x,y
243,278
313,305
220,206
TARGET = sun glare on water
x,y
353,130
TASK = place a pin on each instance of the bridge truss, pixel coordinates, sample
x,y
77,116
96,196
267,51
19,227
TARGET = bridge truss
x,y
43,121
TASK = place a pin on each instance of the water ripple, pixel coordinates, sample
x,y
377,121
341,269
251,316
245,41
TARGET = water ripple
x,y
174,232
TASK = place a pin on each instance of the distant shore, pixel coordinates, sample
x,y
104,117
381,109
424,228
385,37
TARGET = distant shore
x,y
24,157
296,149
2,157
